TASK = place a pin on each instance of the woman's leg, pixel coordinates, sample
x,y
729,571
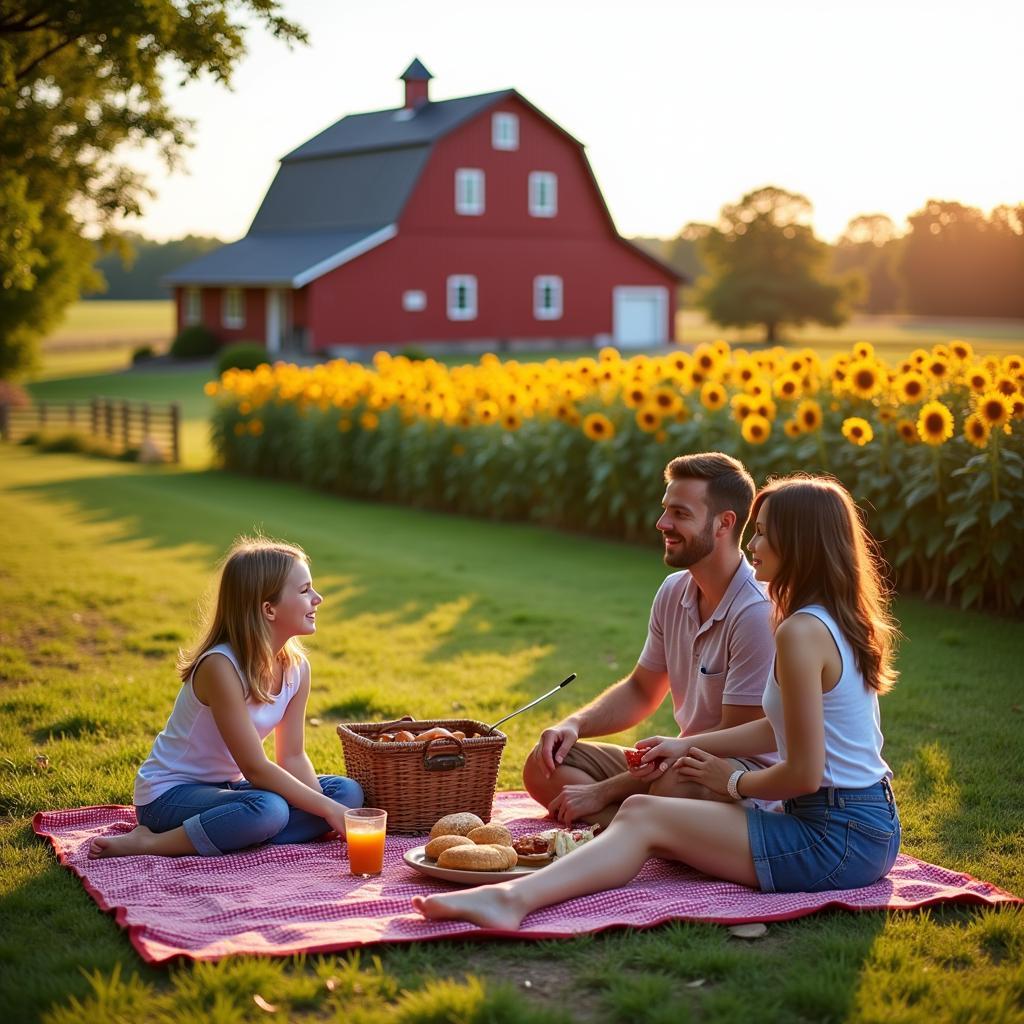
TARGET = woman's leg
x,y
303,826
197,818
709,836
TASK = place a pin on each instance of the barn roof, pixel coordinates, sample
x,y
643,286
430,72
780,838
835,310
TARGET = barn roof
x,y
390,129
284,259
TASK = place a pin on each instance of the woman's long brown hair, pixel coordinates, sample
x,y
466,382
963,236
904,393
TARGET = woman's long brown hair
x,y
254,571
827,557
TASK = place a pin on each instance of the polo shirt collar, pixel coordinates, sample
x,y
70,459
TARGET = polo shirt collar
x,y
691,593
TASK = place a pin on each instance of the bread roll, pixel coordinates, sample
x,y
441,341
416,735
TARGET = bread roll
x,y
510,855
491,834
460,824
473,858
437,846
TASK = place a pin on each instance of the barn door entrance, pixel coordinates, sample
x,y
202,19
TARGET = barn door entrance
x,y
640,316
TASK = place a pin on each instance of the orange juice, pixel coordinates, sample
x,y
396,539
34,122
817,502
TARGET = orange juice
x,y
366,852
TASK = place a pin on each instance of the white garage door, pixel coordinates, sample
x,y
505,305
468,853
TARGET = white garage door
x,y
640,316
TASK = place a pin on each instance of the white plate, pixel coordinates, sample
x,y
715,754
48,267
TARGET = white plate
x,y
417,858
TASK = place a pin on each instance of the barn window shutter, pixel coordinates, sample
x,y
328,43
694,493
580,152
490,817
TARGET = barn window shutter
x,y
462,300
505,131
469,191
547,297
543,193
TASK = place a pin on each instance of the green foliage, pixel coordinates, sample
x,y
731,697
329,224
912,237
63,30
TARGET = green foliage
x,y
766,267
194,342
136,275
79,85
245,355
142,354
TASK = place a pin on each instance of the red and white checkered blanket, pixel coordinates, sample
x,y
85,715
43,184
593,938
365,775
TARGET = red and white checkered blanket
x,y
292,899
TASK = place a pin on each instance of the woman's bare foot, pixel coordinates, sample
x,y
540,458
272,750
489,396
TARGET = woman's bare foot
x,y
139,840
489,906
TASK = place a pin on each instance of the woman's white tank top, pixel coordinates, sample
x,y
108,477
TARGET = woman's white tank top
x,y
853,735
190,747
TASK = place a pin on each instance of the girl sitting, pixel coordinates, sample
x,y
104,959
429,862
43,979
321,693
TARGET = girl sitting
x,y
840,829
207,786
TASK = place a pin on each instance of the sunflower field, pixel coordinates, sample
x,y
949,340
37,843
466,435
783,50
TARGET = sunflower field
x,y
931,448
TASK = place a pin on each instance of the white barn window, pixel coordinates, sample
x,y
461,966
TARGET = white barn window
x,y
462,297
505,131
414,301
543,194
233,308
193,307
469,191
547,297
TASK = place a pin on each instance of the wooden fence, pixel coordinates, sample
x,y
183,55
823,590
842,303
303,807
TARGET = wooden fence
x,y
123,424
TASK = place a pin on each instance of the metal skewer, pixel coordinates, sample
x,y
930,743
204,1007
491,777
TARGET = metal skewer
x,y
526,707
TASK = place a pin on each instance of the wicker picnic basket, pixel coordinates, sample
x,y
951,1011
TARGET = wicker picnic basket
x,y
420,781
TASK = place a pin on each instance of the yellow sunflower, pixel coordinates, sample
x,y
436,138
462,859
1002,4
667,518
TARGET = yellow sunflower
x,y
369,420
666,400
907,431
742,406
977,430
937,367
787,386
712,396
511,420
857,430
706,359
809,415
648,419
863,350
1006,384
935,423
979,380
792,428
598,427
864,379
994,408
756,429
487,411
962,350
910,388
1013,365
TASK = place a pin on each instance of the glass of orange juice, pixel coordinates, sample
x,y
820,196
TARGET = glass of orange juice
x,y
364,830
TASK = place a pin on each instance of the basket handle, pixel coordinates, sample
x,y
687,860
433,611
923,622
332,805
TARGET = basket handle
x,y
443,762
387,726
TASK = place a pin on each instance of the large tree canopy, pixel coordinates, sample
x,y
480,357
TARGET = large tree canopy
x,y
766,267
81,82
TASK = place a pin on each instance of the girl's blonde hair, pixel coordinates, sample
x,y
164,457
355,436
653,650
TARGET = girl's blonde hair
x,y
254,570
827,557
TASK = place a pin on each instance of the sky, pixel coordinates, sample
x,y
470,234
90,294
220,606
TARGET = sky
x,y
684,106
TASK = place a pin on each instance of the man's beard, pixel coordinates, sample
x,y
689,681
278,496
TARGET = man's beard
x,y
691,552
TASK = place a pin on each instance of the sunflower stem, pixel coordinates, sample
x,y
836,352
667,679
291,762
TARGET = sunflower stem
x,y
993,452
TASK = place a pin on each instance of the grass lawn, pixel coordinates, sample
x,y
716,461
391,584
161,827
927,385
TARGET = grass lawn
x,y
99,571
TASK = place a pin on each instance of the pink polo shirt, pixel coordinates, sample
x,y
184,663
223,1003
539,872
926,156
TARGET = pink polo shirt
x,y
725,660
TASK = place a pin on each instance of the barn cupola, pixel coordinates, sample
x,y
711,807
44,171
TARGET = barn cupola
x,y
416,77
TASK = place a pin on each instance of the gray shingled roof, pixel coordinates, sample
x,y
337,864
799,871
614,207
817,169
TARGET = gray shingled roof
x,y
388,129
274,258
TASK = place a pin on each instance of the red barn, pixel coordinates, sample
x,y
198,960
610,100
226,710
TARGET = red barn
x,y
467,220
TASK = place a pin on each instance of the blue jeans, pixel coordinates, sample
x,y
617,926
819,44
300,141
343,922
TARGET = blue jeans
x,y
219,817
832,839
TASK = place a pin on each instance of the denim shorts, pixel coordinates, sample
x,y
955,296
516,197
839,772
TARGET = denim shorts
x,y
831,839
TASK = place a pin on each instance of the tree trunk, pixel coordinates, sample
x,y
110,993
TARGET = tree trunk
x,y
769,332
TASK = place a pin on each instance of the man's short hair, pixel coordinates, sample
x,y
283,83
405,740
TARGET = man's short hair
x,y
730,487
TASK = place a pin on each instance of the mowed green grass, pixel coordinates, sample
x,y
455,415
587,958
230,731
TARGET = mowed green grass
x,y
99,572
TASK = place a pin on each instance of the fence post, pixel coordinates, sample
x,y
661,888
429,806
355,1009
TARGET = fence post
x,y
108,416
5,423
145,420
124,425
94,417
41,418
72,415
175,432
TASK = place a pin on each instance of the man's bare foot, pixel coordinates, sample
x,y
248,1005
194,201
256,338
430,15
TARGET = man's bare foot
x,y
489,906
139,840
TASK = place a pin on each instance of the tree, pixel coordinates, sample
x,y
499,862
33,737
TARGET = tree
x,y
870,244
958,262
766,267
81,81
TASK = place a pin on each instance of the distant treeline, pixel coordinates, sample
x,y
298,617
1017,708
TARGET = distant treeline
x,y
139,277
952,260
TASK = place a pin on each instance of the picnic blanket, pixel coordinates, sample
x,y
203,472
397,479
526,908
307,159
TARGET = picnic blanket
x,y
301,899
